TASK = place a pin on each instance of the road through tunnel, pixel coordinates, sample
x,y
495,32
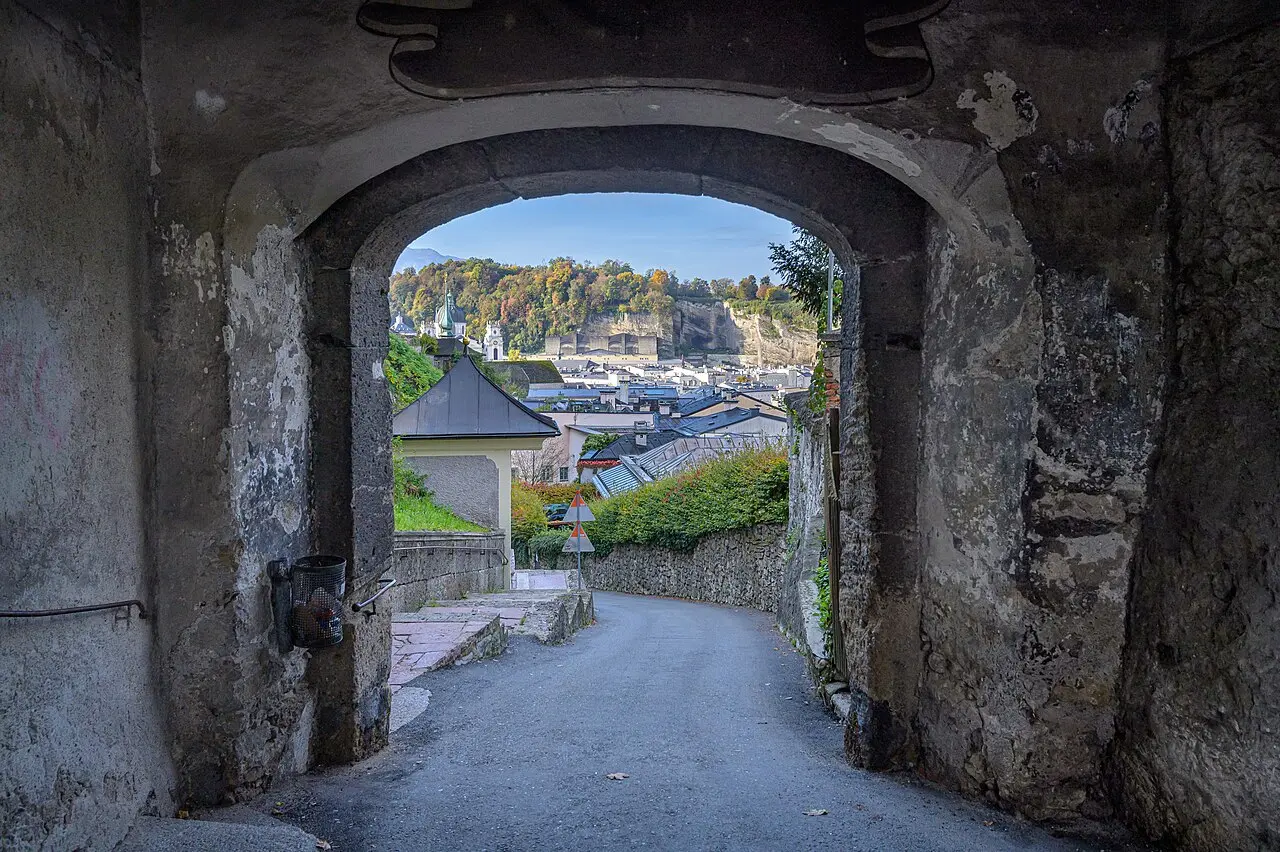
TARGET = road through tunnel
x,y
1057,381
943,334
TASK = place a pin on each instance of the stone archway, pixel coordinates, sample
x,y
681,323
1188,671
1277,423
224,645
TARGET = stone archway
x,y
351,249
954,583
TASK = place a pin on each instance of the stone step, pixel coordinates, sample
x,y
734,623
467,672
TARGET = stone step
x,y
153,834
421,646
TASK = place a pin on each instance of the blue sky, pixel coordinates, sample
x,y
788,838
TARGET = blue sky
x,y
694,236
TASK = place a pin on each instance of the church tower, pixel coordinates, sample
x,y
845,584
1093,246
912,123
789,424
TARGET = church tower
x,y
494,348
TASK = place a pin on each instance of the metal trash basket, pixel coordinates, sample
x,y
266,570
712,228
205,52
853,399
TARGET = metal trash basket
x,y
318,584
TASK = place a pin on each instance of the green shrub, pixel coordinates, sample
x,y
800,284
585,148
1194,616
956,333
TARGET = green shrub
x,y
598,442
405,481
727,493
817,400
409,373
527,516
822,579
554,492
547,545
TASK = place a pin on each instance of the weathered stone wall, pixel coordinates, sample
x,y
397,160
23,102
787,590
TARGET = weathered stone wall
x,y
444,566
1041,400
82,746
737,568
796,608
466,485
1197,761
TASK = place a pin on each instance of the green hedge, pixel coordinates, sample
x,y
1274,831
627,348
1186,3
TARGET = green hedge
x,y
728,493
547,545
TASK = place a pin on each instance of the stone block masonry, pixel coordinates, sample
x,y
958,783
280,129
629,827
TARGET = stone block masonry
x,y
737,568
444,566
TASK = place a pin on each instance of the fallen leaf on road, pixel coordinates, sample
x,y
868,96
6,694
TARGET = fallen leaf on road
x,y
617,776
816,812
323,844
988,822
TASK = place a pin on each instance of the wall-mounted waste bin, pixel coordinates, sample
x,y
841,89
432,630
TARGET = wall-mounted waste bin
x,y
317,584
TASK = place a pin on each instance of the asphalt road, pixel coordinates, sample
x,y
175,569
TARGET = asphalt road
x,y
705,708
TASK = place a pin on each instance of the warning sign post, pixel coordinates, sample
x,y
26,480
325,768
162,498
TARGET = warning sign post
x,y
578,542
578,510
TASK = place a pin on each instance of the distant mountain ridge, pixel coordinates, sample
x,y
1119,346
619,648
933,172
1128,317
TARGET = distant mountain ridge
x,y
420,257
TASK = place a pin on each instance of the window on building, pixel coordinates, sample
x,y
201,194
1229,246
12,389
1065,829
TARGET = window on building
x,y
564,474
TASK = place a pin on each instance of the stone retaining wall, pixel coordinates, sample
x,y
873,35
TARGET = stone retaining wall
x,y
738,568
444,566
798,594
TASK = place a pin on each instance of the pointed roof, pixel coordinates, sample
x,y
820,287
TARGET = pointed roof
x,y
465,404
449,314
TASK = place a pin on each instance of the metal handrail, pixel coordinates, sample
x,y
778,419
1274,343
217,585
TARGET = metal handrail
x,y
386,582
72,610
502,554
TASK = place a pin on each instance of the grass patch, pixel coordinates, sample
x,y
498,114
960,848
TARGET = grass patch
x,y
415,506
415,514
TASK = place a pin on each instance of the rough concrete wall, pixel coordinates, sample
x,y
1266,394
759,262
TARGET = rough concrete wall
x,y
796,608
467,485
228,414
1198,759
80,730
737,568
444,566
1028,511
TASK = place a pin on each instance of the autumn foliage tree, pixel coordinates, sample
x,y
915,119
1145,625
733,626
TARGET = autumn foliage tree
x,y
531,302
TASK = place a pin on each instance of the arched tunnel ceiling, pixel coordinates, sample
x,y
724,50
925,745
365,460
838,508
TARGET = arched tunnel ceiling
x,y
809,184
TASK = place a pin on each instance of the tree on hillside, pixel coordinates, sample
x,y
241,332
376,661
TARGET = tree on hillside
x,y
802,266
748,288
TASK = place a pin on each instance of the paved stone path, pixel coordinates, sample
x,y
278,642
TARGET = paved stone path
x,y
704,709
437,636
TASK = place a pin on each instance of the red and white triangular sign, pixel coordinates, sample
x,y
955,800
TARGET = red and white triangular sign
x,y
578,542
578,510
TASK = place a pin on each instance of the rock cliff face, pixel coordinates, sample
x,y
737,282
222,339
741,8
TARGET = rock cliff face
x,y
769,341
635,323
708,326
705,327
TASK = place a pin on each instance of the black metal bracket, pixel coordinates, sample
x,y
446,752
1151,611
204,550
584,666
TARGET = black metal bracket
x,y
282,602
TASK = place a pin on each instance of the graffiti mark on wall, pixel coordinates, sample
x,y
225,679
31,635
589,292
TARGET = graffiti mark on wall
x,y
35,393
